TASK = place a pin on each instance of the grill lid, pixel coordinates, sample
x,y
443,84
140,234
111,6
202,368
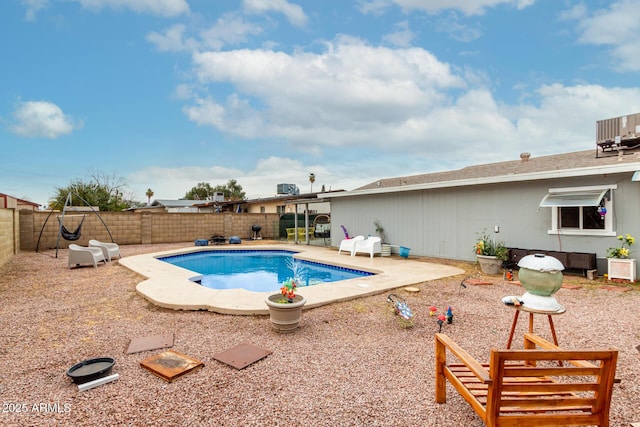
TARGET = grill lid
x,y
541,262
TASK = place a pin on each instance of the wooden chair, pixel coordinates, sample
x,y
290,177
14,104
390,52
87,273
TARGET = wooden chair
x,y
528,387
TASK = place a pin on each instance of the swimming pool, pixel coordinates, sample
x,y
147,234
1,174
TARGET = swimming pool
x,y
169,286
258,270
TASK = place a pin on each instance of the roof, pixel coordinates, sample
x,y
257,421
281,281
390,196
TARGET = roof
x,y
21,201
579,163
287,198
175,203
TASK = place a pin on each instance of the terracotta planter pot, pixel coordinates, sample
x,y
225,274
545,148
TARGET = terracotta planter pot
x,y
285,317
489,264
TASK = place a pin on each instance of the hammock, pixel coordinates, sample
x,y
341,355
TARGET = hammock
x,y
68,235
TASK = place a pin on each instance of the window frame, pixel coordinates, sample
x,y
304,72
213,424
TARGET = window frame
x,y
608,229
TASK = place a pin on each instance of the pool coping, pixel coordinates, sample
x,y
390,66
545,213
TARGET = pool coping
x,y
169,286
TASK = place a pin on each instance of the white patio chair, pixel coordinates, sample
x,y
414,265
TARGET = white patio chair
x,y
348,244
82,255
371,246
110,250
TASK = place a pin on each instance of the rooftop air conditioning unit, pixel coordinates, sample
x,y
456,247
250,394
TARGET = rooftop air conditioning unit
x,y
289,189
218,197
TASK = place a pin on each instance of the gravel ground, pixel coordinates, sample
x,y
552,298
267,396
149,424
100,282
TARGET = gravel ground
x,y
349,364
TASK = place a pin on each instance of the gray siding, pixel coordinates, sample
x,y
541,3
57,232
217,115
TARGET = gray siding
x,y
444,223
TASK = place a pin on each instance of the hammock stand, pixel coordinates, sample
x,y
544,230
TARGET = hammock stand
x,y
62,230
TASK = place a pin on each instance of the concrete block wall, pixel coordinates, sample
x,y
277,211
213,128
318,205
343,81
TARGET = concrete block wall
x,y
9,234
130,228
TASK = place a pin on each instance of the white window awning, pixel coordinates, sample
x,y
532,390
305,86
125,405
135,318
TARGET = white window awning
x,y
573,199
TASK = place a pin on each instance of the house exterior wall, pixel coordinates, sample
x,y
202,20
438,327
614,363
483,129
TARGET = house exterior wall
x,y
10,202
272,207
269,206
444,223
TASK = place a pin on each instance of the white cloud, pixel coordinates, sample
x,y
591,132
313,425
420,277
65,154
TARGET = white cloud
x,y
468,7
33,7
235,116
42,119
356,95
402,35
230,29
167,8
259,182
473,128
452,25
348,92
616,27
184,91
172,40
294,13
566,115
373,7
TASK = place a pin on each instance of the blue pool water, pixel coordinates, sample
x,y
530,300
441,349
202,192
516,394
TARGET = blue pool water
x,y
257,270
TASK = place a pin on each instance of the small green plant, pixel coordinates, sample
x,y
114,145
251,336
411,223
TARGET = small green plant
x,y
379,229
487,246
623,251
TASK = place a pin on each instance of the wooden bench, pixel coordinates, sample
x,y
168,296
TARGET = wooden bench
x,y
527,387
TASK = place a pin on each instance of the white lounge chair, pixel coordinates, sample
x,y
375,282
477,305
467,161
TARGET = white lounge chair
x,y
82,255
371,246
110,250
348,244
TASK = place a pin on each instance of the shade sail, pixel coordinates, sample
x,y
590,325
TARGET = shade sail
x,y
573,199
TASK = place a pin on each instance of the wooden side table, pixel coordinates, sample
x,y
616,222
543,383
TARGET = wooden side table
x,y
532,312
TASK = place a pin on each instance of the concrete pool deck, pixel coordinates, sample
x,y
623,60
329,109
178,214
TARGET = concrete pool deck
x,y
169,286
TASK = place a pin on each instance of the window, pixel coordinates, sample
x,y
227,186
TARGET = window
x,y
585,218
578,210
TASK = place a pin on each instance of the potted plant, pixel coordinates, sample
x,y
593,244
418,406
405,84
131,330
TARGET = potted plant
x,y
385,249
619,265
490,253
285,308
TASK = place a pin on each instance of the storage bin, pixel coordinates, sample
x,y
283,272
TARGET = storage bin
x,y
404,251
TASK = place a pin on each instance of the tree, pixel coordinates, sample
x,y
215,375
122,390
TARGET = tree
x,y
202,191
104,191
149,195
312,179
231,190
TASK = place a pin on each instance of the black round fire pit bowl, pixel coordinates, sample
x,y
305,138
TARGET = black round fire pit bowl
x,y
91,369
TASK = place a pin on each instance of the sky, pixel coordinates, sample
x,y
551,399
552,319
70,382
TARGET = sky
x,y
165,94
